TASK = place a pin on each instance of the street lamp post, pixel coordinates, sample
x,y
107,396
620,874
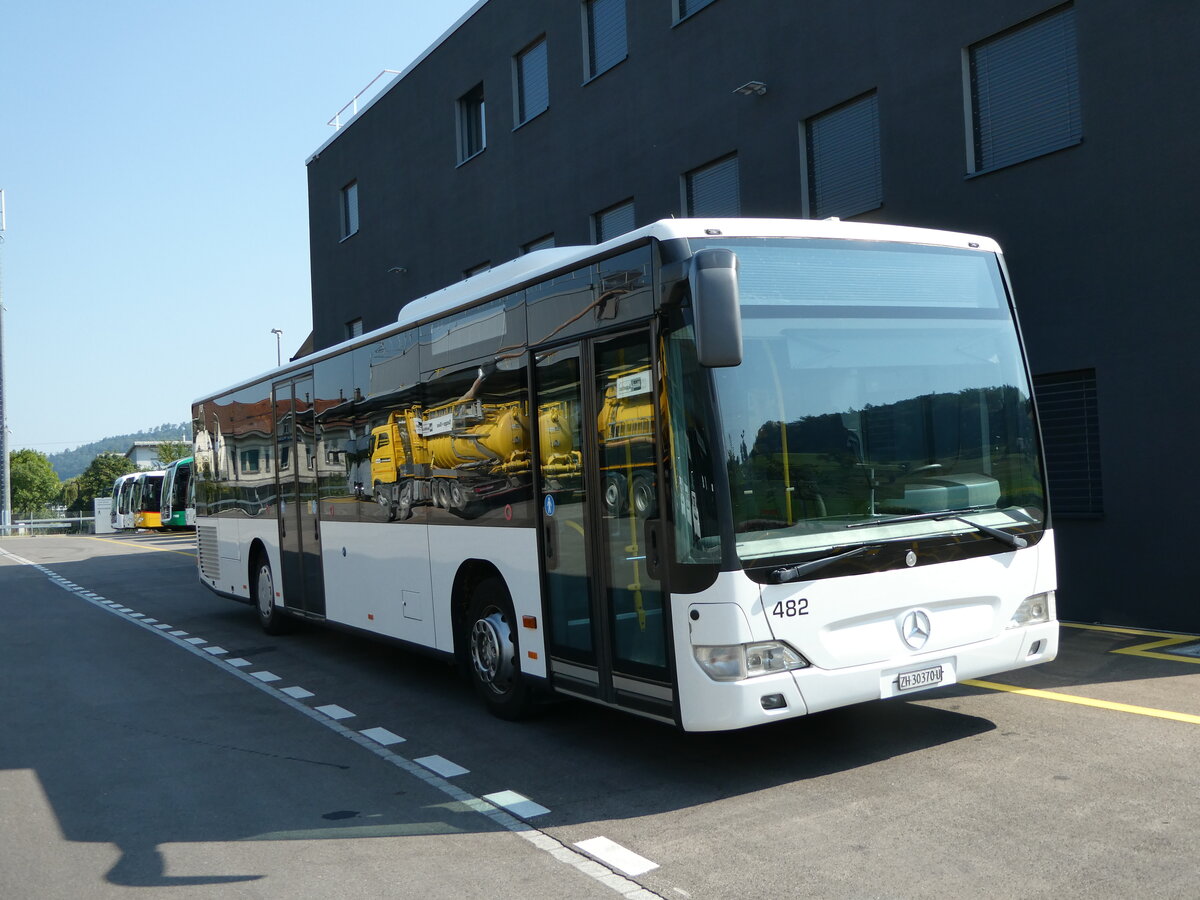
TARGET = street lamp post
x,y
5,485
278,332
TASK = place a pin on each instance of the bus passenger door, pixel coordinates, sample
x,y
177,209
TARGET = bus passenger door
x,y
296,483
599,452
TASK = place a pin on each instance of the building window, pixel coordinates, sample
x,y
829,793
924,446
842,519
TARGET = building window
x,y
531,82
684,8
1069,415
615,220
472,134
477,269
841,149
712,190
349,209
604,37
1024,92
354,328
546,240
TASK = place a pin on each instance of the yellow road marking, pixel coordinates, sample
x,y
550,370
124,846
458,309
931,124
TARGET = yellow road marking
x,y
141,546
1147,650
1087,701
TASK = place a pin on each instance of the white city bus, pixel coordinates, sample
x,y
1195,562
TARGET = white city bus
x,y
714,472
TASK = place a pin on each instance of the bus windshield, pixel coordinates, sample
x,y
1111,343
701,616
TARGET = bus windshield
x,y
881,384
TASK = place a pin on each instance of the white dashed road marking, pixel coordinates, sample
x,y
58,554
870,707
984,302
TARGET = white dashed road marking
x,y
517,804
335,712
382,736
615,856
442,766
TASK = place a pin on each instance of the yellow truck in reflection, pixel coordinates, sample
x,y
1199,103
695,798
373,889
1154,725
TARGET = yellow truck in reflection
x,y
463,454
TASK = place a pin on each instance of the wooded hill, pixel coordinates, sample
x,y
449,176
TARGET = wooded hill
x,y
70,463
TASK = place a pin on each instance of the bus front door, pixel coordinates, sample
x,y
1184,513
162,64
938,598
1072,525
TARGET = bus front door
x,y
599,452
296,484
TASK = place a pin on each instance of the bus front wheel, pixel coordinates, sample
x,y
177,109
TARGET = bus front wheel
x,y
493,652
271,617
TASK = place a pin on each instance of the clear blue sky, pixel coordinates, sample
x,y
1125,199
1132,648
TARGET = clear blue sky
x,y
152,158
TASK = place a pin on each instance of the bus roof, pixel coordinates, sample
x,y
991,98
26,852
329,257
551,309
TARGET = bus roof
x,y
542,263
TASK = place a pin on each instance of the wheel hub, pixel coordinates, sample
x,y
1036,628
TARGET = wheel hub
x,y
492,651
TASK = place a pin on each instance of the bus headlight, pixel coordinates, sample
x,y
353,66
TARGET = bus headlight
x,y
1035,609
737,661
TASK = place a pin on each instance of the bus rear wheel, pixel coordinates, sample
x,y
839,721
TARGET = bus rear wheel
x,y
493,653
271,617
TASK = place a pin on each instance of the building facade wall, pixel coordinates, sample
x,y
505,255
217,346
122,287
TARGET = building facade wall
x,y
1095,233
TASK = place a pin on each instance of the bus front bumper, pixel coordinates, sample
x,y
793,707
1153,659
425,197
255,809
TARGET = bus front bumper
x,y
753,701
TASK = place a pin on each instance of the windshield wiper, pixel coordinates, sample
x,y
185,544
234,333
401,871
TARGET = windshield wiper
x,y
785,574
1011,540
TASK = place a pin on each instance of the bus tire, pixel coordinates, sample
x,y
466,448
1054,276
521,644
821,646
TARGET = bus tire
x,y
492,651
615,493
645,500
271,617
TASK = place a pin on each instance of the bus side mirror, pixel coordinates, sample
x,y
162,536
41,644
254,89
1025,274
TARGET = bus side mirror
x,y
715,308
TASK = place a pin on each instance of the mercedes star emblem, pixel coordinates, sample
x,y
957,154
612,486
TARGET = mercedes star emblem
x,y
914,628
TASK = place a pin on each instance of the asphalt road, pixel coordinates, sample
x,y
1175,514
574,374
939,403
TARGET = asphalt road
x,y
156,742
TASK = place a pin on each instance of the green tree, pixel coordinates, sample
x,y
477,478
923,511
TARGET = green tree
x,y
169,451
33,481
97,479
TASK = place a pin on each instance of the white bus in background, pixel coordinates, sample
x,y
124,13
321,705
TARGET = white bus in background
x,y
122,514
714,472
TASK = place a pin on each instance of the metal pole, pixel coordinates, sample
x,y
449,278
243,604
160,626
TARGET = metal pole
x,y
278,332
5,485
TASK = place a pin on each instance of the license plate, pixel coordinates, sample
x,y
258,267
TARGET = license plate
x,y
922,678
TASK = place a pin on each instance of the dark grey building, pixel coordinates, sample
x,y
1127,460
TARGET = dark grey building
x,y
1066,131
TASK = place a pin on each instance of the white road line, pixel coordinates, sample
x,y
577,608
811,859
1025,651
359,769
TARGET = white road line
x,y
517,804
196,641
335,712
216,651
615,856
442,766
238,663
382,736
265,676
298,692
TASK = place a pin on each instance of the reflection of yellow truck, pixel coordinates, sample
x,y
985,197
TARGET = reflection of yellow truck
x,y
455,455
460,454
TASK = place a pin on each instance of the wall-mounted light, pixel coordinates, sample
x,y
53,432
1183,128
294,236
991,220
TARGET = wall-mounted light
x,y
752,88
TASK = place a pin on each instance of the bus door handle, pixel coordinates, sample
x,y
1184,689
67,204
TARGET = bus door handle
x,y
652,531
550,542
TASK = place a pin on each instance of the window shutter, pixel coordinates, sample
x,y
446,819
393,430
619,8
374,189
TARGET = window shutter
x,y
533,83
614,221
1070,423
1025,91
606,35
844,171
713,189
